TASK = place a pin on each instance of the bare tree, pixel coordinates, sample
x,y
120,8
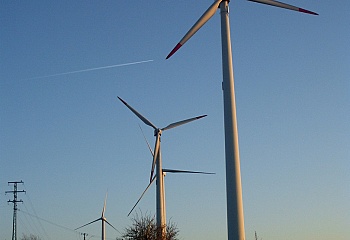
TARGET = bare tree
x,y
30,237
256,236
145,228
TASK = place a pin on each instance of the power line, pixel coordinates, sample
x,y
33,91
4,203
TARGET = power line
x,y
32,206
23,224
60,226
55,224
30,221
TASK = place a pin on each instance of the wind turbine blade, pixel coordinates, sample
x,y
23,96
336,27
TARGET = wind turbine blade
x,y
176,124
283,5
112,226
104,206
89,223
155,156
149,147
145,120
201,21
184,171
142,195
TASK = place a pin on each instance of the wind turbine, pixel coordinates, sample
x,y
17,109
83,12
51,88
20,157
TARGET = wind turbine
x,y
235,218
164,171
157,163
103,220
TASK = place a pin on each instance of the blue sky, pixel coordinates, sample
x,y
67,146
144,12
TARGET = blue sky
x,y
70,140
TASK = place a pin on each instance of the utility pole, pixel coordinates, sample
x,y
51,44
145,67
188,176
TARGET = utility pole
x,y
14,201
85,234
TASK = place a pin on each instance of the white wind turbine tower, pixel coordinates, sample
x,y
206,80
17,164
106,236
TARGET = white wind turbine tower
x,y
103,221
157,162
235,218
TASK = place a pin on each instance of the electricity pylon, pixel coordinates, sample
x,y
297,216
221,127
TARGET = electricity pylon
x,y
14,201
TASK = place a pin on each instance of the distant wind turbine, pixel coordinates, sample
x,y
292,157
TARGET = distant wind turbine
x,y
103,220
235,218
157,163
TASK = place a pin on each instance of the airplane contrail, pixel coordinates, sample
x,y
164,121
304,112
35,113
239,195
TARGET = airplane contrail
x,y
90,69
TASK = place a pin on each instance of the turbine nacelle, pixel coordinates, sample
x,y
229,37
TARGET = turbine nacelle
x,y
157,131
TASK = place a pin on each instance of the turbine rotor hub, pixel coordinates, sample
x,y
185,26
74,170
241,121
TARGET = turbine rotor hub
x,y
157,131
